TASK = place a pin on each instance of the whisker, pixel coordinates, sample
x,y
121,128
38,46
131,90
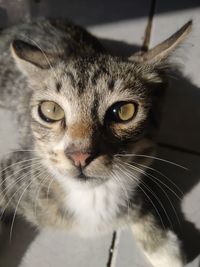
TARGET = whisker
x,y
152,157
21,178
41,184
132,177
152,178
15,213
162,174
19,162
18,171
140,186
117,178
17,151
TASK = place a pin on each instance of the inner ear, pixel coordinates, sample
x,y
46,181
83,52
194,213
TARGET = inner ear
x,y
27,53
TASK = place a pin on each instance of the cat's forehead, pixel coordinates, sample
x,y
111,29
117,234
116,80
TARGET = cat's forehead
x,y
98,75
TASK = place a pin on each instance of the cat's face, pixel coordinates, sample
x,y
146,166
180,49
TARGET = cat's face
x,y
86,112
89,113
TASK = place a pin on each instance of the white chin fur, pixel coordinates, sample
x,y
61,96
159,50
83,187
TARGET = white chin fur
x,y
95,206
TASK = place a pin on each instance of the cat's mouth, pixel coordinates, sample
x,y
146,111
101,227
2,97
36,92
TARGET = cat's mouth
x,y
87,178
83,177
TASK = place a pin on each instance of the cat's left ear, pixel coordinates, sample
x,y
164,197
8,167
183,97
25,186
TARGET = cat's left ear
x,y
163,50
31,59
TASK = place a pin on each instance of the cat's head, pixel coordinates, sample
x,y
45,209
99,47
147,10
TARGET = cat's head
x,y
92,114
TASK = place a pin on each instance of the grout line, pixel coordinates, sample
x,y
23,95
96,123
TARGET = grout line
x,y
179,149
113,249
148,30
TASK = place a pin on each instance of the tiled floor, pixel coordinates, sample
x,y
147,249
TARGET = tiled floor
x,y
124,22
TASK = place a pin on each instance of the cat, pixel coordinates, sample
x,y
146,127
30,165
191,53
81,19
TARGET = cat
x,y
87,124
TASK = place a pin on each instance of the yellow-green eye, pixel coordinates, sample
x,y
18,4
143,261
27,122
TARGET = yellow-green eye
x,y
121,112
50,111
126,111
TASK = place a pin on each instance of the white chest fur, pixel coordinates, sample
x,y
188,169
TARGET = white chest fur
x,y
95,209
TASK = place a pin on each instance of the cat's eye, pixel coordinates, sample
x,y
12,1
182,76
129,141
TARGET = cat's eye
x,y
50,111
122,112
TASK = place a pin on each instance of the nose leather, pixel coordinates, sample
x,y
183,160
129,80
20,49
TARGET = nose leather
x,y
79,158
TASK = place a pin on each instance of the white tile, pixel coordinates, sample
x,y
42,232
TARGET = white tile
x,y
56,248
129,31
122,38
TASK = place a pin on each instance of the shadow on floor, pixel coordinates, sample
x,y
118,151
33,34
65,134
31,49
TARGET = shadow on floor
x,y
171,194
94,12
180,131
12,251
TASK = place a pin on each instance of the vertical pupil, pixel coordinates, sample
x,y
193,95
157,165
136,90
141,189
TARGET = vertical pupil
x,y
121,111
54,109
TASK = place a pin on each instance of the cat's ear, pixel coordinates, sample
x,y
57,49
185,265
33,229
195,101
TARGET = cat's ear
x,y
163,50
31,59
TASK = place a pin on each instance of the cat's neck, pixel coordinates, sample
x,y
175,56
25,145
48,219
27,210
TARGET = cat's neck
x,y
96,209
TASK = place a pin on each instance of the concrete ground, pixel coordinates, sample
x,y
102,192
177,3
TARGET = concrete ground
x,y
122,24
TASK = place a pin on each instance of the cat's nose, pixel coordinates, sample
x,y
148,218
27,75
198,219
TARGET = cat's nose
x,y
80,159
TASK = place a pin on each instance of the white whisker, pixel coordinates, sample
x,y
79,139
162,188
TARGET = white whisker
x,y
152,178
152,157
131,176
19,162
21,178
160,173
18,171
15,212
118,180
42,183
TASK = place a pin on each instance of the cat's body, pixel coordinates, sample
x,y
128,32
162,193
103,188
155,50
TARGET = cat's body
x,y
76,175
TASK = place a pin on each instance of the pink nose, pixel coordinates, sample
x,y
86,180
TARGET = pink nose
x,y
79,158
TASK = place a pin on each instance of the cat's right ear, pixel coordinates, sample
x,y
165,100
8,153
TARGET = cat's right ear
x,y
31,59
162,51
